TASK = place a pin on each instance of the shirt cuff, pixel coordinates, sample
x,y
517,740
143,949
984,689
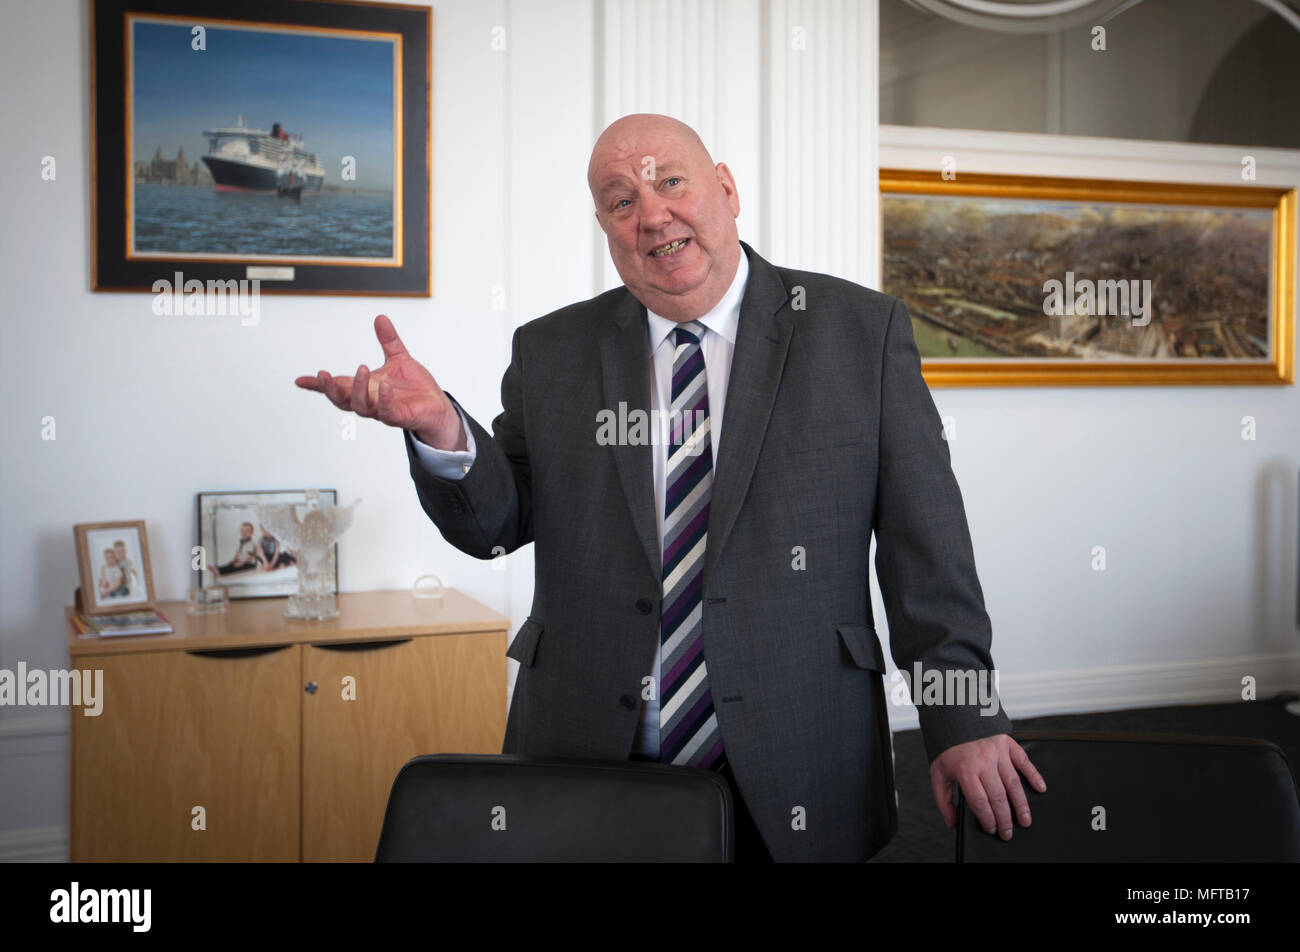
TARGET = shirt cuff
x,y
449,464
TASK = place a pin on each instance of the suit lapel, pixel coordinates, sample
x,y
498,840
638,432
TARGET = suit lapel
x,y
625,367
762,339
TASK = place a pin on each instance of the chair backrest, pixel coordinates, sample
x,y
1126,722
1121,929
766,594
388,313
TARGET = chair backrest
x,y
506,808
1114,797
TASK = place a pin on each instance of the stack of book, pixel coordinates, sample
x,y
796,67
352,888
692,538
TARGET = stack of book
x,y
126,623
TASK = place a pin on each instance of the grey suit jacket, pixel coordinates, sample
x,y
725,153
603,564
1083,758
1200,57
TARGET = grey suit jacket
x,y
830,435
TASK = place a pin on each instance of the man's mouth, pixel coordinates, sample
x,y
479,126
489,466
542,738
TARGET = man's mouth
x,y
669,249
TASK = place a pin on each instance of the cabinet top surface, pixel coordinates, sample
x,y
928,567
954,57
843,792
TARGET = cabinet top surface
x,y
253,622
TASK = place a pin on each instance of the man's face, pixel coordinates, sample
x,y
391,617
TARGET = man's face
x,y
119,549
668,214
246,530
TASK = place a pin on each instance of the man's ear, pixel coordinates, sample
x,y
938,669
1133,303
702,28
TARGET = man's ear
x,y
729,186
598,221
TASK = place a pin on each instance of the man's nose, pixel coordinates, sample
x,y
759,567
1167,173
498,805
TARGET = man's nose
x,y
655,213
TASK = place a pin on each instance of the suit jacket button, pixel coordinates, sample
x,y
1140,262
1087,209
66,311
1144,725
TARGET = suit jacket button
x,y
643,606
627,701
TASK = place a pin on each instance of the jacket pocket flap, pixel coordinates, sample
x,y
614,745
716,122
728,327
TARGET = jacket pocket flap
x,y
863,645
524,648
819,436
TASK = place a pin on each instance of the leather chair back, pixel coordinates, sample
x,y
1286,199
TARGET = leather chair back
x,y
448,808
1160,797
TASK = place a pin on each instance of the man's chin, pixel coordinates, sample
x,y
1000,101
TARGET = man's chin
x,y
662,293
670,298
680,282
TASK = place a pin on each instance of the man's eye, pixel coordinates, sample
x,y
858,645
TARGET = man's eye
x,y
670,181
621,202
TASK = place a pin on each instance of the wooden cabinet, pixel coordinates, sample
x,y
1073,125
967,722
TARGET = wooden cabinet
x,y
286,734
411,697
179,731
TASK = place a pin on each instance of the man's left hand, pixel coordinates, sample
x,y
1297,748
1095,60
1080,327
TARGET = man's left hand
x,y
987,771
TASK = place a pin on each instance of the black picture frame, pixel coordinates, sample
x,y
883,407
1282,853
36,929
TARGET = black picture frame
x,y
115,268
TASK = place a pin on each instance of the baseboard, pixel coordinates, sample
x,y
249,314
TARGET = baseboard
x,y
39,734
33,766
1122,687
44,844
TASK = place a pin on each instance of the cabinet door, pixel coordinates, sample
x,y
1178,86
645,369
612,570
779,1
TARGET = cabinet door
x,y
217,730
371,707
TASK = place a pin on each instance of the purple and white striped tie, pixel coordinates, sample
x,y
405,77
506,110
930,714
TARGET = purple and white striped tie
x,y
688,724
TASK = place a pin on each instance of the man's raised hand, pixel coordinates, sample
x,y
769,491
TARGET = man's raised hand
x,y
401,393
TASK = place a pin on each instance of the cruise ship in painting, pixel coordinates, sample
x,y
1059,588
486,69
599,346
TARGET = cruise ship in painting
x,y
242,159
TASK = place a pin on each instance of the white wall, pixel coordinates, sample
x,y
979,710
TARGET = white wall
x,y
1200,527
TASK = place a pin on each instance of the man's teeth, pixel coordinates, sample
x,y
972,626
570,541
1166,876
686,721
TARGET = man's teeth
x,y
671,248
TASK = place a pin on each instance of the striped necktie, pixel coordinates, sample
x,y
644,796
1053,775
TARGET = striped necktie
x,y
688,725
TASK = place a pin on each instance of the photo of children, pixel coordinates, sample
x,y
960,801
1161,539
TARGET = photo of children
x,y
240,553
265,554
112,578
116,565
245,557
274,555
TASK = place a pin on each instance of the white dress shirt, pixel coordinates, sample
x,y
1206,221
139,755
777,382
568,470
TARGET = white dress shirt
x,y
719,344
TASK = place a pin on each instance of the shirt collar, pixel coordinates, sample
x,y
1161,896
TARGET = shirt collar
x,y
723,319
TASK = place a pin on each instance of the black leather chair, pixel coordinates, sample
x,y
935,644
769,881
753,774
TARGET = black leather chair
x,y
1166,797
448,808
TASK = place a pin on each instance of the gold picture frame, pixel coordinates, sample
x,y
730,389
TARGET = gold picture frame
x,y
1089,206
131,585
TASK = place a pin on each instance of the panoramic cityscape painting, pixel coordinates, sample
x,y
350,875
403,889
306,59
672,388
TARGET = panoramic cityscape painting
x,y
1002,275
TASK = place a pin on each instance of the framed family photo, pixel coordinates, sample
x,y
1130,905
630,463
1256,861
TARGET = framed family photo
x,y
1022,280
283,141
113,566
240,554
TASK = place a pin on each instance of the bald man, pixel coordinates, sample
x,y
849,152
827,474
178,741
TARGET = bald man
x,y
704,601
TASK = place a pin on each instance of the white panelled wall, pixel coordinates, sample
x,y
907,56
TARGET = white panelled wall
x,y
1201,529
1198,525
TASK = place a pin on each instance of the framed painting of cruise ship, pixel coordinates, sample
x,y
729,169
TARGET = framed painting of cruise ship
x,y
282,142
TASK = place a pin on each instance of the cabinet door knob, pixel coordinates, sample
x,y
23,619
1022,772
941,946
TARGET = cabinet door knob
x,y
312,687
